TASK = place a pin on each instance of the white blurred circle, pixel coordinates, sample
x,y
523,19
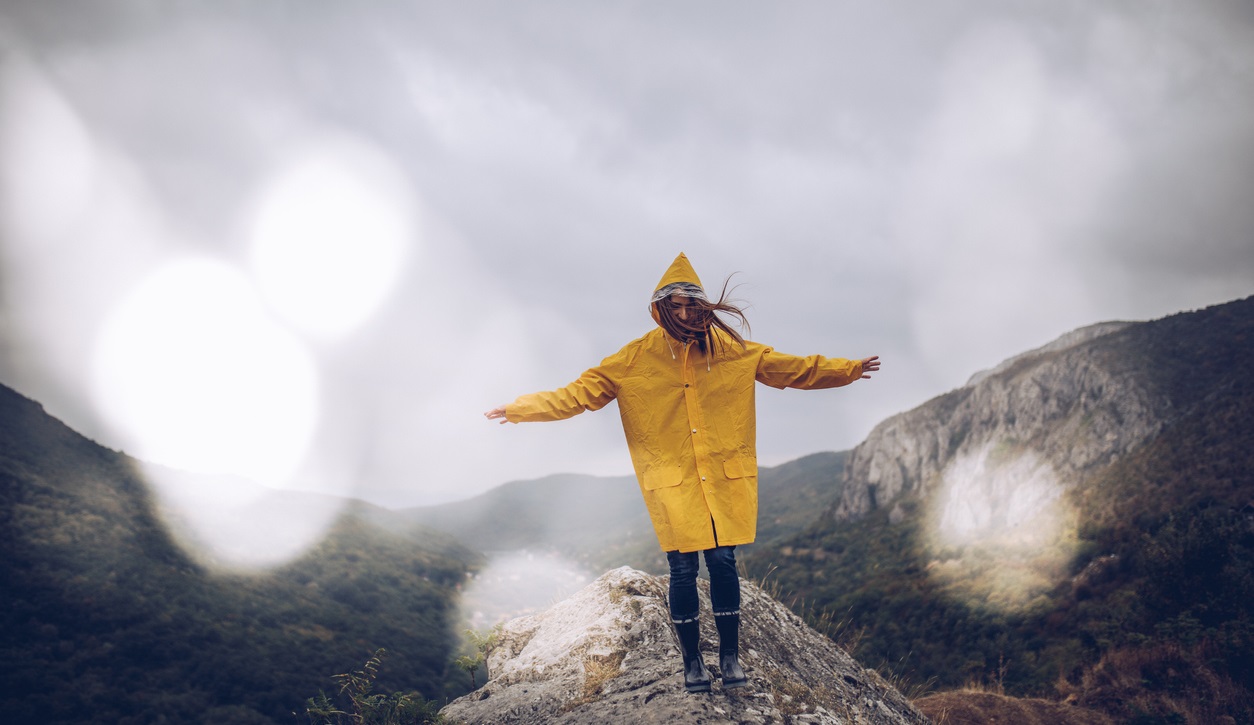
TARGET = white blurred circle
x,y
50,163
330,234
193,374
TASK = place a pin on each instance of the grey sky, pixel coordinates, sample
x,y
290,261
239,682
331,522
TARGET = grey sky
x,y
944,184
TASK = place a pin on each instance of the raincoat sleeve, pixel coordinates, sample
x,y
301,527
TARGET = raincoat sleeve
x,y
808,373
592,391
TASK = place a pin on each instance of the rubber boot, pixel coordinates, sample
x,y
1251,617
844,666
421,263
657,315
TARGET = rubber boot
x,y
729,650
696,676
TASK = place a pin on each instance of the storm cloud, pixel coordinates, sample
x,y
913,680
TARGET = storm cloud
x,y
945,186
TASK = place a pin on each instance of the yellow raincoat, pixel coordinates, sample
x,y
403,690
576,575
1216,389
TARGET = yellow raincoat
x,y
689,420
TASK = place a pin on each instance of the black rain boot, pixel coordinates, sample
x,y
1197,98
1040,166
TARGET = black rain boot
x,y
696,676
729,650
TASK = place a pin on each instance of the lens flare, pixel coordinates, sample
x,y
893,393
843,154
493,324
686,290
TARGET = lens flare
x,y
1001,532
517,583
999,494
228,523
194,376
329,236
196,379
50,169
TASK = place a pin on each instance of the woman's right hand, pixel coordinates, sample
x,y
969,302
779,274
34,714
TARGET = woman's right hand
x,y
496,413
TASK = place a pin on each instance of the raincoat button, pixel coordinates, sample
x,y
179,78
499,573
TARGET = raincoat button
x,y
694,430
703,478
685,385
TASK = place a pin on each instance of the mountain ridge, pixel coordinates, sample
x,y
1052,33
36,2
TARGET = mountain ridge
x,y
1080,402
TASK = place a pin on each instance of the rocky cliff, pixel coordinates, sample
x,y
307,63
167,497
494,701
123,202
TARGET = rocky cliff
x,y
608,654
1021,433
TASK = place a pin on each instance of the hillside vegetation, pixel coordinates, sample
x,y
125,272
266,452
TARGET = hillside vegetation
x,y
1138,604
106,620
1143,607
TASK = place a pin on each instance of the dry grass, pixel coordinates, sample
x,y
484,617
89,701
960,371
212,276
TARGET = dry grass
x,y
791,695
1163,680
597,670
980,708
822,620
996,685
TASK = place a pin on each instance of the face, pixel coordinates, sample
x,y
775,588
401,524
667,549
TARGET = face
x,y
686,311
680,304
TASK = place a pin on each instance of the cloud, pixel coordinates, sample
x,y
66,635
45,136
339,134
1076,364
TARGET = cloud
x,y
943,186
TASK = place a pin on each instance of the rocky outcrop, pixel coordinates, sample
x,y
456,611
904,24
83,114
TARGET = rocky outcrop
x,y
1070,339
608,654
1030,428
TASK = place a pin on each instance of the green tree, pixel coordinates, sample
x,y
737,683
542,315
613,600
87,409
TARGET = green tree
x,y
364,707
480,644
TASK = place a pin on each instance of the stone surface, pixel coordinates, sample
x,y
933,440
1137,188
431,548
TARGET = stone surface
x,y
1067,407
608,654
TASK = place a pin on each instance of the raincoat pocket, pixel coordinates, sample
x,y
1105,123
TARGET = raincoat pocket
x,y
661,478
740,467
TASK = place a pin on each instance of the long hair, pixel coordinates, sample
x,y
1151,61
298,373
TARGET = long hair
x,y
703,319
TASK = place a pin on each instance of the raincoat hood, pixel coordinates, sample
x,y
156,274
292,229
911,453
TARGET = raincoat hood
x,y
680,271
680,278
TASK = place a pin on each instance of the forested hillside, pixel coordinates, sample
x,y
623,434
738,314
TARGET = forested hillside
x,y
1140,604
107,621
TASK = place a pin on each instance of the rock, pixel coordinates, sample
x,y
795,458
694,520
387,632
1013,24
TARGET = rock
x,y
1070,339
608,654
1069,407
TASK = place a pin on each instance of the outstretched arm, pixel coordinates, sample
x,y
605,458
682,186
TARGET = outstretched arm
x,y
780,370
592,391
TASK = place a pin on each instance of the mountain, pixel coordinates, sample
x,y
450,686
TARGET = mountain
x,y
601,522
1075,523
608,655
112,614
108,619
1073,406
598,522
1057,420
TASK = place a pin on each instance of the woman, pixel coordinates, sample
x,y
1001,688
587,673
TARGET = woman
x,y
685,392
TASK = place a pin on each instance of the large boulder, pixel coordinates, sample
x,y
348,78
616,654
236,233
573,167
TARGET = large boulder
x,y
608,654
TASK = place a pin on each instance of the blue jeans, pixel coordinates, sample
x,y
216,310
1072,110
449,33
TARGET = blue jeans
x,y
720,562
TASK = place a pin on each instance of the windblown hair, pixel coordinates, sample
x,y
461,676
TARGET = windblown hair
x,y
703,319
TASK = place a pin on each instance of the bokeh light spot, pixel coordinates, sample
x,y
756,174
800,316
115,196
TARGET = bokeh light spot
x,y
331,232
1002,535
216,399
519,583
194,375
996,493
50,162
